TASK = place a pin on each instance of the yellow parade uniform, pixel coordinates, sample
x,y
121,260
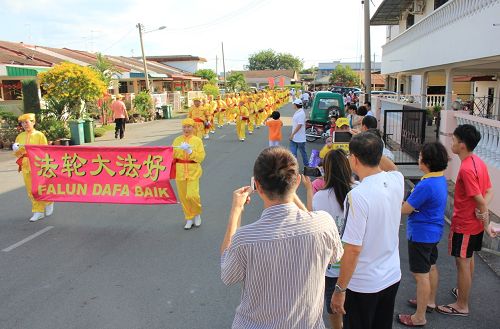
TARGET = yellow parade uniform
x,y
242,119
34,138
188,173
221,112
198,115
252,109
262,111
327,148
213,111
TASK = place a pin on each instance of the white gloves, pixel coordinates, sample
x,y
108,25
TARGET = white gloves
x,y
16,146
186,148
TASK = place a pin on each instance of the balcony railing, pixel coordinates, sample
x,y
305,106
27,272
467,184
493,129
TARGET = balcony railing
x,y
489,145
431,100
447,14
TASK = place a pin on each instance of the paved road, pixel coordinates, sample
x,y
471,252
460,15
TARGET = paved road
x,y
134,267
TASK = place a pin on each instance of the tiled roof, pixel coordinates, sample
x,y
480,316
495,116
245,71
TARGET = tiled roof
x,y
267,73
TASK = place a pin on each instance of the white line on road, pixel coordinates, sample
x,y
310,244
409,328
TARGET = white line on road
x,y
221,137
31,237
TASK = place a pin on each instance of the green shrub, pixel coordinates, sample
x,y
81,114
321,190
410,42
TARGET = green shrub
x,y
143,104
53,129
211,89
99,132
8,119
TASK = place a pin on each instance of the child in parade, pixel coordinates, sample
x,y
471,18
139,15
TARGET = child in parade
x,y
30,136
242,118
197,113
274,124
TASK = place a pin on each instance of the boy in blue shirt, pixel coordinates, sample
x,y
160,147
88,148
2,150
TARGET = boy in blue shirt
x,y
425,207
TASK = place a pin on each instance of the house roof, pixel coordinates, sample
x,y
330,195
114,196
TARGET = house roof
x,y
176,58
389,12
22,54
377,79
256,74
356,66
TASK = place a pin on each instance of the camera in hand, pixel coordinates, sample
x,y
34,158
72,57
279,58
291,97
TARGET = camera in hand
x,y
312,172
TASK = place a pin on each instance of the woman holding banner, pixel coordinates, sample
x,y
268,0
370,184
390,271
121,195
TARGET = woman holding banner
x,y
189,153
30,136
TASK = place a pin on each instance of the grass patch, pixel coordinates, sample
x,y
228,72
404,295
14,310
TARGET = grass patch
x,y
99,131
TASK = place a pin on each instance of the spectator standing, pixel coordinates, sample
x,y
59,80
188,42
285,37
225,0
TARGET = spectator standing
x,y
298,135
281,258
120,115
352,116
305,99
470,217
368,106
360,114
338,182
274,124
370,268
425,207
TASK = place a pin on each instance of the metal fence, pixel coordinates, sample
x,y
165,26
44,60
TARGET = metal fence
x,y
404,133
484,107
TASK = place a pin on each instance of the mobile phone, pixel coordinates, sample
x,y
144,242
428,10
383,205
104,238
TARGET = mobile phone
x,y
252,184
312,172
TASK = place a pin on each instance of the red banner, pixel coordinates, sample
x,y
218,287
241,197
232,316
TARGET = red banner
x,y
271,83
132,175
282,82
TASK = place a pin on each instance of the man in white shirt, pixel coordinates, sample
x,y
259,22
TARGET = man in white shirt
x,y
298,135
305,99
368,106
370,270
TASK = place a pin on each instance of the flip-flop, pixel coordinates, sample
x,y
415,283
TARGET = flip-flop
x,y
413,302
450,310
406,320
454,292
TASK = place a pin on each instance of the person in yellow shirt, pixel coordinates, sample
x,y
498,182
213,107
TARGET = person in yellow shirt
x,y
327,148
197,113
252,111
262,109
221,112
30,136
242,118
189,153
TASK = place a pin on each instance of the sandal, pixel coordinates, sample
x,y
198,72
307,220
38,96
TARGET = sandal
x,y
406,320
454,292
413,302
450,310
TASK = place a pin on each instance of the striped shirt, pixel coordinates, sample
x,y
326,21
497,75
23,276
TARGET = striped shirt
x,y
281,260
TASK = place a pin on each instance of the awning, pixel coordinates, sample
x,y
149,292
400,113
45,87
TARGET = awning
x,y
389,12
16,71
151,75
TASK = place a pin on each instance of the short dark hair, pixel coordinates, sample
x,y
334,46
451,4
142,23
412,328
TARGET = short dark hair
x,y
276,170
275,115
369,122
352,107
367,147
469,135
362,110
368,103
434,156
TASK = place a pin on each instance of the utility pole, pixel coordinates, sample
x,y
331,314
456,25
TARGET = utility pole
x,y
217,69
224,66
368,66
146,75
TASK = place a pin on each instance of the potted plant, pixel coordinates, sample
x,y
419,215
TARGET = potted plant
x,y
9,137
437,113
429,116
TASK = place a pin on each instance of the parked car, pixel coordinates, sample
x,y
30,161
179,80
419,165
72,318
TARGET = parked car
x,y
383,92
345,90
324,105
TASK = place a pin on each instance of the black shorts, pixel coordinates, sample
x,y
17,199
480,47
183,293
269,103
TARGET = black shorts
x,y
370,310
463,245
329,289
422,256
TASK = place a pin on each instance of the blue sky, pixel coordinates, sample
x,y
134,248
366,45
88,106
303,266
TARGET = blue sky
x,y
315,30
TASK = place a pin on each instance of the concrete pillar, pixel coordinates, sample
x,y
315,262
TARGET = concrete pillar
x,y
399,78
116,85
446,128
423,90
449,89
136,87
407,89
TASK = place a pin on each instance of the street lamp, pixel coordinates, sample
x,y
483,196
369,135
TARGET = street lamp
x,y
141,31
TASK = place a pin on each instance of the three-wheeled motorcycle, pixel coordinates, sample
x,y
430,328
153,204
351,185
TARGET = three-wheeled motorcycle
x,y
326,104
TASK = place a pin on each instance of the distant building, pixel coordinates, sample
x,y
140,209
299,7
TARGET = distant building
x,y
186,63
325,69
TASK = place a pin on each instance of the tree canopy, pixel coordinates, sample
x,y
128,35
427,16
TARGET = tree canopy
x,y
208,74
344,76
236,82
270,60
69,85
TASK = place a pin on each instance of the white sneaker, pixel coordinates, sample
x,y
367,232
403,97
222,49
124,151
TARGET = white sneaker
x,y
49,209
189,224
212,132
206,137
197,221
242,139
36,216
250,132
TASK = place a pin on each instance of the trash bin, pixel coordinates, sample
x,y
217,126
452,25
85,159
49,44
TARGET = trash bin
x,y
77,134
167,111
88,130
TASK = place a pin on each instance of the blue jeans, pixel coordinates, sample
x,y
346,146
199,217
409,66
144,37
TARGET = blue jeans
x,y
302,148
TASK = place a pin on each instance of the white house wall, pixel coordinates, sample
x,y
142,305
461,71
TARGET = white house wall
x,y
460,30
